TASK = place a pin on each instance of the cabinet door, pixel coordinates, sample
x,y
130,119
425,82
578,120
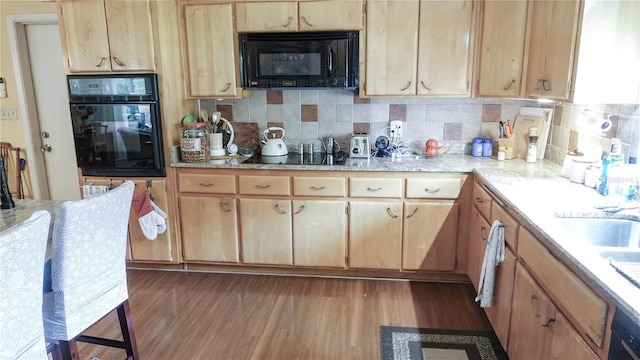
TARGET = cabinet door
x,y
375,235
267,17
430,236
444,58
499,313
319,233
392,47
330,15
130,35
209,50
143,249
552,46
501,48
475,250
209,228
83,31
266,231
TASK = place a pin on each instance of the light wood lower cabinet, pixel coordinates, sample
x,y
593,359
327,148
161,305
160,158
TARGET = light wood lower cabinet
x,y
319,233
209,224
499,313
266,231
538,328
375,234
430,234
476,247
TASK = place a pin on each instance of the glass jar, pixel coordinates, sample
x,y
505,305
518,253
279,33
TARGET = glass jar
x,y
194,145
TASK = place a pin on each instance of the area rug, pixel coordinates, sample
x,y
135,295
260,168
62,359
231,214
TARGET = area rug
x,y
405,343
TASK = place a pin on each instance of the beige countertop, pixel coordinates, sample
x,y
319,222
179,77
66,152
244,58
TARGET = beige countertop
x,y
535,191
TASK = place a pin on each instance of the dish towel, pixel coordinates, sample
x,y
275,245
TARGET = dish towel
x,y
150,216
93,190
493,256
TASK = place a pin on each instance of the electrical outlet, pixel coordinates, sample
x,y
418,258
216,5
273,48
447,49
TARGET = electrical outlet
x,y
8,114
396,128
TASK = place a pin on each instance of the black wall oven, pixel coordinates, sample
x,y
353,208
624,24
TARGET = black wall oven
x,y
116,125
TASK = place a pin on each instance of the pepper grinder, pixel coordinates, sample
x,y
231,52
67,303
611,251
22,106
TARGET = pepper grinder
x,y
532,152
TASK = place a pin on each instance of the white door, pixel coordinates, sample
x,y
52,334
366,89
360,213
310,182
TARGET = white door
x,y
56,133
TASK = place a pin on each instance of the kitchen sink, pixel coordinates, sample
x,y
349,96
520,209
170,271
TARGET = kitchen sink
x,y
601,232
622,256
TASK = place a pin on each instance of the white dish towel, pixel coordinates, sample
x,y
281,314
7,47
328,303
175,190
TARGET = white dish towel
x,y
493,256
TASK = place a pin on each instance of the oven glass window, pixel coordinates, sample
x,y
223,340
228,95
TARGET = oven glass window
x,y
117,136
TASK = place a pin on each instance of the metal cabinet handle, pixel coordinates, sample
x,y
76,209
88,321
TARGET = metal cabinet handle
x,y
513,81
429,191
415,210
544,85
406,87
372,189
391,213
288,22
479,200
277,207
484,239
117,61
424,86
226,87
317,187
263,186
102,61
538,83
549,322
206,184
224,205
306,22
299,210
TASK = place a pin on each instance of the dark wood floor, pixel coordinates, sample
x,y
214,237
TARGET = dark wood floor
x,y
231,316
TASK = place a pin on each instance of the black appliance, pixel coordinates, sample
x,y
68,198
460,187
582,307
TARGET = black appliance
x,y
116,124
299,60
625,338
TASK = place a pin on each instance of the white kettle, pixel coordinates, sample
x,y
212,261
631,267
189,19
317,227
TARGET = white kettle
x,y
273,146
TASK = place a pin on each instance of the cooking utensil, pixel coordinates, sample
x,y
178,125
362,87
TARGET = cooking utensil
x,y
204,115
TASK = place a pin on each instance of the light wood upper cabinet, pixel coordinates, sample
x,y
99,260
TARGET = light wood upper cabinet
x,y
209,50
283,16
501,47
391,47
445,47
109,35
430,234
607,70
552,48
319,233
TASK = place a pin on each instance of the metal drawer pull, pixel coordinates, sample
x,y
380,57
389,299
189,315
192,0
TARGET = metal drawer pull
x,y
432,191
415,210
317,187
225,206
207,184
482,229
104,59
299,210
117,61
306,22
372,189
280,209
510,84
288,22
263,186
424,86
478,200
534,297
549,322
406,87
391,213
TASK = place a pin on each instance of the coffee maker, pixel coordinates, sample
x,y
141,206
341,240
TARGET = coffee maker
x,y
359,146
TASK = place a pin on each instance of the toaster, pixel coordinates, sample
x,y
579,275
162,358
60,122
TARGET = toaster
x,y
359,146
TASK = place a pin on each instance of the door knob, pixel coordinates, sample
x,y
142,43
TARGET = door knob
x,y
46,147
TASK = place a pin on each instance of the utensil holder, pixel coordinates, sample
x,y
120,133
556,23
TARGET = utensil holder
x,y
510,148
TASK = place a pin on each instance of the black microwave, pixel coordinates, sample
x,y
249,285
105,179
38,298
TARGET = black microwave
x,y
299,60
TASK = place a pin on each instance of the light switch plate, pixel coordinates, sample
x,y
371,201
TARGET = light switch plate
x,y
7,113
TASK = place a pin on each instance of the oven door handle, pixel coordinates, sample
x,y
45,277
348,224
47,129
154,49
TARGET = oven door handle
x,y
626,347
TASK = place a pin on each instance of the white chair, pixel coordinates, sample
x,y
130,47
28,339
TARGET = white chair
x,y
22,257
88,272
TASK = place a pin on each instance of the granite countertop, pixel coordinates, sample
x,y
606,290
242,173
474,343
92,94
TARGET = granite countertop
x,y
535,191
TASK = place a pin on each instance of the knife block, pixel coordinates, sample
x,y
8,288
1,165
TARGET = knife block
x,y
510,147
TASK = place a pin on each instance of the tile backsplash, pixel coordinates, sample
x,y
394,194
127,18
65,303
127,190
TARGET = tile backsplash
x,y
309,115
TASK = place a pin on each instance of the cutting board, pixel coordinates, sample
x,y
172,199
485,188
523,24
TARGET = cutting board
x,y
546,125
521,127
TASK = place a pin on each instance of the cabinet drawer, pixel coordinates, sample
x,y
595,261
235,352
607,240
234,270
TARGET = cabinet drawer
x,y
205,183
510,225
443,188
482,200
319,186
264,185
376,188
582,306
